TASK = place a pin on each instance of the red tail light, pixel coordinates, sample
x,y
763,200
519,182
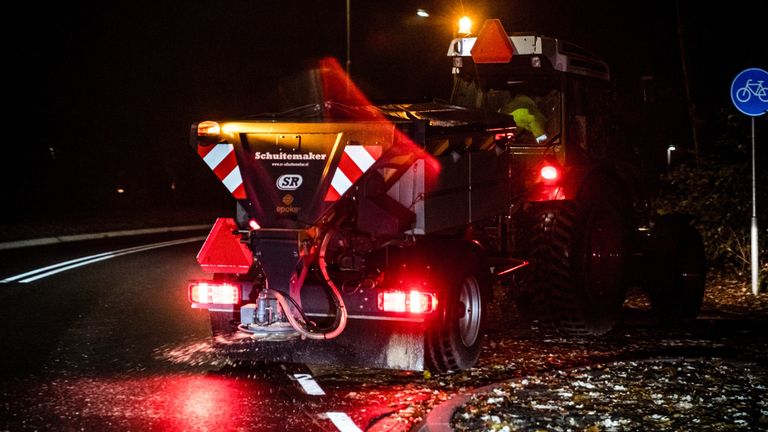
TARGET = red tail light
x,y
547,182
253,224
549,173
206,293
413,301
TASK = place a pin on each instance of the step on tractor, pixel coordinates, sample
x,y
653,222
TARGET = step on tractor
x,y
373,235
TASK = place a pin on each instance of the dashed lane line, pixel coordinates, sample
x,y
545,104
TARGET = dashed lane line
x,y
309,385
343,422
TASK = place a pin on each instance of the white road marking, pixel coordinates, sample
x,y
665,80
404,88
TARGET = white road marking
x,y
309,385
51,270
343,422
51,267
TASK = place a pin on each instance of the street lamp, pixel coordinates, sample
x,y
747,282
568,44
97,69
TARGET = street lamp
x,y
670,149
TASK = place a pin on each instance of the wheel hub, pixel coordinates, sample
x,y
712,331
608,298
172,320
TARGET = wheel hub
x,y
470,310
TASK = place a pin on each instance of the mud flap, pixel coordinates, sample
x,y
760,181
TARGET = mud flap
x,y
365,343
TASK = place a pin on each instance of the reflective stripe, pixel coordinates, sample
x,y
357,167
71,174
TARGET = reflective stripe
x,y
360,156
354,162
215,156
371,317
222,161
340,182
233,180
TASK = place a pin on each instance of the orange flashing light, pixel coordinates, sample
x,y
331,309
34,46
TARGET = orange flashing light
x,y
208,129
465,25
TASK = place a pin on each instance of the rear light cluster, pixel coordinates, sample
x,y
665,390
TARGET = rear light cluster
x,y
204,293
415,302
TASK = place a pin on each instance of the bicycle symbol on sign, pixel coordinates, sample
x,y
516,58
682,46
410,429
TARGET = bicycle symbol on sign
x,y
752,88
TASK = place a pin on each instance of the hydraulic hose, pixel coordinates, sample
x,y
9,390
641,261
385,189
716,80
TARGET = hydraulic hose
x,y
340,307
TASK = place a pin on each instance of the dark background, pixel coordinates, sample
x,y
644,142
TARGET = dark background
x,y
101,95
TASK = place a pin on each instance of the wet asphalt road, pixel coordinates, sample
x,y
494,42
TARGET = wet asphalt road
x,y
114,346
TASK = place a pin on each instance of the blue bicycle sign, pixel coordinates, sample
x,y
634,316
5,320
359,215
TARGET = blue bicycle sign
x,y
749,92
752,89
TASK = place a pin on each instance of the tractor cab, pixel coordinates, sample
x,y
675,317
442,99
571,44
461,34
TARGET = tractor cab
x,y
557,92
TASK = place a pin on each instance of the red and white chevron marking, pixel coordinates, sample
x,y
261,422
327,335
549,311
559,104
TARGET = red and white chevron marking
x,y
221,159
355,161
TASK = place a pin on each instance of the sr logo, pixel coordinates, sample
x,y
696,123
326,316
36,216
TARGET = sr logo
x,y
289,181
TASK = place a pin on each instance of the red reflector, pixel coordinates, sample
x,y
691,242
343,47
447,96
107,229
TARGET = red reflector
x,y
492,44
415,302
548,172
223,252
214,293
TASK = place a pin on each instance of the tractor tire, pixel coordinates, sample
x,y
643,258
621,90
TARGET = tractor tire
x,y
582,254
531,301
675,269
454,336
530,296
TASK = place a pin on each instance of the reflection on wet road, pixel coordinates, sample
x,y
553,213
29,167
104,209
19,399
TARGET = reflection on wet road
x,y
115,346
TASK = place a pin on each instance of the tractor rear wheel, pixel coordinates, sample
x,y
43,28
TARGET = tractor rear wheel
x,y
582,251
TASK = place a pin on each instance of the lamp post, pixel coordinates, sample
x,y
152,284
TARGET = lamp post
x,y
349,44
670,149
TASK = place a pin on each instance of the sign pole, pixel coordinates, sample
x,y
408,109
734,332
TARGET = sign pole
x,y
753,231
750,96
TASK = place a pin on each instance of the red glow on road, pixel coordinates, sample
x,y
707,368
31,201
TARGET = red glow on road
x,y
173,403
217,402
202,404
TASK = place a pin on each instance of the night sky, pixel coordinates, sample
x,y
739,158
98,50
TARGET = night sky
x,y
101,95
